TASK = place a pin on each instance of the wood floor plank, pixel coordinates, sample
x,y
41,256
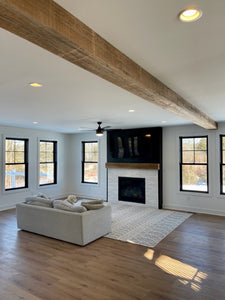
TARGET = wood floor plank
x,y
188,264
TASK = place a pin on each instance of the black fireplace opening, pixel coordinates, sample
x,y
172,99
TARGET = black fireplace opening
x,y
131,189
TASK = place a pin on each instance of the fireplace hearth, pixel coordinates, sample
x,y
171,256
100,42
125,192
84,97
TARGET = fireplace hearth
x,y
131,189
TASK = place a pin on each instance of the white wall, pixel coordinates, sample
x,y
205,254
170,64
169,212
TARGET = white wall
x,y
69,169
213,202
8,199
95,191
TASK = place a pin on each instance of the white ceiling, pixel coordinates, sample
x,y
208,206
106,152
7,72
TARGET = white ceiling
x,y
187,57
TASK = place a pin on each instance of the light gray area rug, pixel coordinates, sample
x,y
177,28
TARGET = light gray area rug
x,y
143,225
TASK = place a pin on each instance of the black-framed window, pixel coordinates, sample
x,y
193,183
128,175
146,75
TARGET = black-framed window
x,y
90,162
222,164
48,162
194,164
16,163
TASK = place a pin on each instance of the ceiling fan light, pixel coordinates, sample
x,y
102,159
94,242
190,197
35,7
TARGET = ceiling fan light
x,y
99,133
99,130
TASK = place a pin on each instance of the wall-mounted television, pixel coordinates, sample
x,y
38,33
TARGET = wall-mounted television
x,y
142,145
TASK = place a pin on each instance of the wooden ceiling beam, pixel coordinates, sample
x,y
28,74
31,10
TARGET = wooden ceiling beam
x,y
51,27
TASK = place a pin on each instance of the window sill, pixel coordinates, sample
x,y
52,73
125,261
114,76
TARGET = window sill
x,y
89,184
195,194
47,186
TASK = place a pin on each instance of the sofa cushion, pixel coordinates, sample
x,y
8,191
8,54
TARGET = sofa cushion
x,y
39,201
65,205
93,205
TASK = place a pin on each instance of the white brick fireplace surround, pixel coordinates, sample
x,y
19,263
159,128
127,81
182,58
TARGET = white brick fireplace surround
x,y
151,183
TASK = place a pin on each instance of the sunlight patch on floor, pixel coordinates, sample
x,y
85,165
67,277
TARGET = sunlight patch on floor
x,y
149,254
186,274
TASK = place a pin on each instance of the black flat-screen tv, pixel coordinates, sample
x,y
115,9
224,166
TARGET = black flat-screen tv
x,y
142,145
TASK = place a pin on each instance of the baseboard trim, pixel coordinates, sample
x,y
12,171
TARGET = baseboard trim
x,y
7,207
195,210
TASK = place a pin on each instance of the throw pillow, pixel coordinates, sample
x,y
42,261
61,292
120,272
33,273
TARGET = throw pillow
x,y
93,201
39,201
65,205
91,206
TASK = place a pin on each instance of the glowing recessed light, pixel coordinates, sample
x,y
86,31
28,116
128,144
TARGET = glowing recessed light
x,y
190,15
35,84
35,122
131,110
164,121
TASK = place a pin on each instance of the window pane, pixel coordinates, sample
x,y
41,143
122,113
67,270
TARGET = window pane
x,y
194,178
49,157
19,145
200,143
14,176
91,156
9,145
188,144
91,172
42,157
223,157
91,152
188,157
91,147
49,146
46,151
200,156
42,146
9,157
19,157
223,179
46,173
223,142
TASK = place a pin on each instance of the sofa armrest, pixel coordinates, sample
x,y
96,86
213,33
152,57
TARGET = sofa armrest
x,y
96,223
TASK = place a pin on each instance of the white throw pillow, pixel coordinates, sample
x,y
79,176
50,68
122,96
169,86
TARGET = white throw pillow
x,y
92,206
65,205
39,201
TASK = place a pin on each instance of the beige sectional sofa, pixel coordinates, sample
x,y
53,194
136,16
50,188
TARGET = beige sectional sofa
x,y
78,228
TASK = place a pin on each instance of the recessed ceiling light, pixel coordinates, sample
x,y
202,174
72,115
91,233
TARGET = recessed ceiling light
x,y
35,84
131,110
164,121
190,15
35,122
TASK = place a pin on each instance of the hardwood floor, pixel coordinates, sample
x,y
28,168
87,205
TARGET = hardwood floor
x,y
188,264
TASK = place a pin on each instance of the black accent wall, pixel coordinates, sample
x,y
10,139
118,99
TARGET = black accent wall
x,y
141,145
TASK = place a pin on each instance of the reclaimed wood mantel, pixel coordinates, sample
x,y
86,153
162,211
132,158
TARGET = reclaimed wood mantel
x,y
145,166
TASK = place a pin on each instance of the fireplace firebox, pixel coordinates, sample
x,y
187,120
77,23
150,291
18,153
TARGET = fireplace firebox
x,y
131,189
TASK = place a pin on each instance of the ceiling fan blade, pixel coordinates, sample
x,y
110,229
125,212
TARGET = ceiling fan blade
x,y
85,129
106,127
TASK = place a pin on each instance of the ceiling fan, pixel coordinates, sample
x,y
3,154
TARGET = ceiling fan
x,y
99,131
